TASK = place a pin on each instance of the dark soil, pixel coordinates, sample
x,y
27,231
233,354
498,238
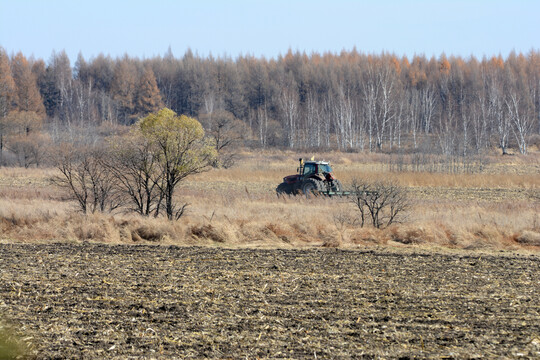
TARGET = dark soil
x,y
102,301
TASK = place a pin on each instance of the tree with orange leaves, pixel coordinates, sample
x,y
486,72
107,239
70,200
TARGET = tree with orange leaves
x,y
7,94
27,94
444,65
148,98
123,86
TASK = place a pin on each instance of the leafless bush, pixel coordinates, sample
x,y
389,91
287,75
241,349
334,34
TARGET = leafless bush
x,y
29,149
86,178
135,169
381,202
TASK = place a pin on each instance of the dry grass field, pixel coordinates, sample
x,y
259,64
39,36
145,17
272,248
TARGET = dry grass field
x,y
494,205
247,274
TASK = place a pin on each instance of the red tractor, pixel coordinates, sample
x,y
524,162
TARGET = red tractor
x,y
314,177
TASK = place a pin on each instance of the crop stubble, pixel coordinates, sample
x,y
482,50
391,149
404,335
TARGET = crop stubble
x,y
103,301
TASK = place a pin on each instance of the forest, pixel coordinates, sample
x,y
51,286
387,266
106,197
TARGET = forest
x,y
348,101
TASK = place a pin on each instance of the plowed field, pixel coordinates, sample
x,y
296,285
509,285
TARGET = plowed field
x,y
101,301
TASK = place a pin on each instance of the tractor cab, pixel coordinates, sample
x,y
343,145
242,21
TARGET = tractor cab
x,y
318,169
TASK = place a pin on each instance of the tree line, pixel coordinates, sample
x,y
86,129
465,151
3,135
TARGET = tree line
x,y
348,101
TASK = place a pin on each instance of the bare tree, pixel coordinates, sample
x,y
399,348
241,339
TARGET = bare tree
x,y
491,101
369,108
386,112
135,169
465,126
479,120
413,121
261,116
86,179
343,115
521,118
384,203
379,100
226,131
288,103
501,120
313,120
429,106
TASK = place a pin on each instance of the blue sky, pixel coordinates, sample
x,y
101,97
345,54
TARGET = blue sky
x,y
268,28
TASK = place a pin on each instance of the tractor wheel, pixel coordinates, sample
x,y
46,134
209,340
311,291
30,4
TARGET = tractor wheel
x,y
284,188
337,186
312,186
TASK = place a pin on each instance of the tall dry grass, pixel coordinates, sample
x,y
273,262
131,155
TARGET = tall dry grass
x,y
239,207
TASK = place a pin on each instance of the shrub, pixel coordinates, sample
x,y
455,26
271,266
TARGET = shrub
x,y
384,203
